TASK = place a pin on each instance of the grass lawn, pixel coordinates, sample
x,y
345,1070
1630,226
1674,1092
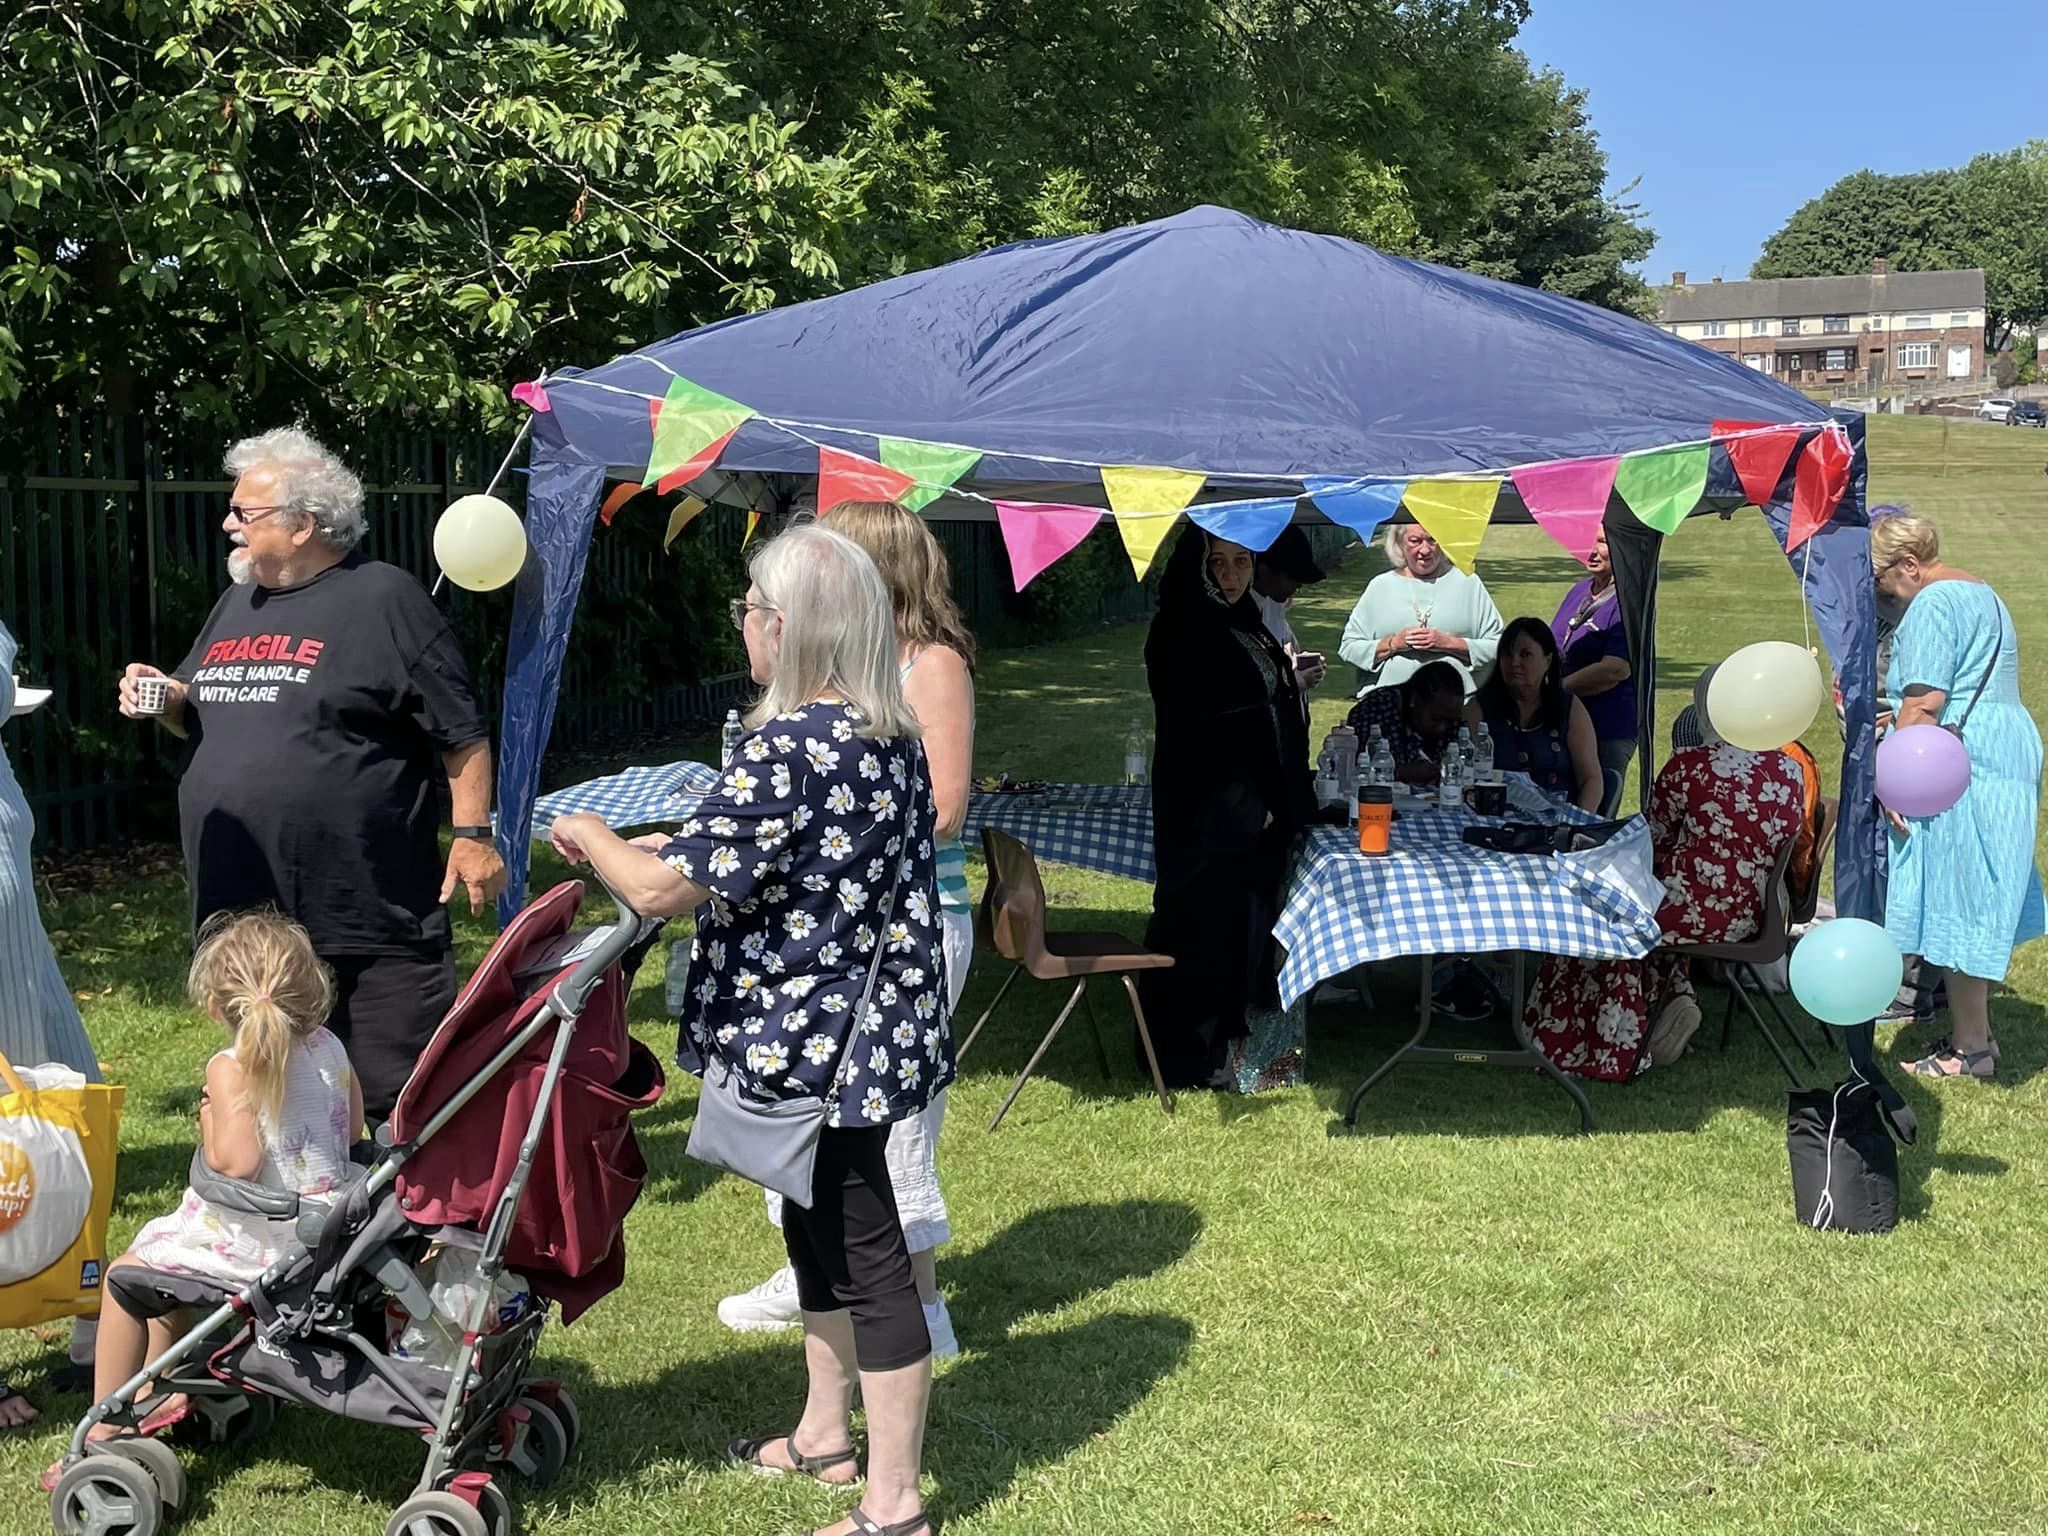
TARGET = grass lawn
x,y
1242,1318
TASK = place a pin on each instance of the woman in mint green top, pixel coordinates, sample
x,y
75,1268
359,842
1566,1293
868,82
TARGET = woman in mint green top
x,y
1425,609
936,655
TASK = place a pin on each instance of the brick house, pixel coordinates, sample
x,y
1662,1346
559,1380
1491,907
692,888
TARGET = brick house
x,y
1812,332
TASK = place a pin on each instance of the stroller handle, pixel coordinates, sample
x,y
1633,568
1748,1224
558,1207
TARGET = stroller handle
x,y
574,990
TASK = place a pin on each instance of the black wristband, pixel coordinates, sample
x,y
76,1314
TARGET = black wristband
x,y
482,834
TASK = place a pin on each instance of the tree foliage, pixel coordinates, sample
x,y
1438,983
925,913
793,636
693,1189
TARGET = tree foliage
x,y
348,207
1991,213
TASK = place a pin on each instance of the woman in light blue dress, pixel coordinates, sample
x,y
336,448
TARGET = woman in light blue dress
x,y
1425,609
1964,891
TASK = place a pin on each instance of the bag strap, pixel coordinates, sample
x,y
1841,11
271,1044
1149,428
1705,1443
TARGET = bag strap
x,y
1984,681
882,915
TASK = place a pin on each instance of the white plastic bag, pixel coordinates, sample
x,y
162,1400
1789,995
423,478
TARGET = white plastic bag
x,y
450,1273
45,1180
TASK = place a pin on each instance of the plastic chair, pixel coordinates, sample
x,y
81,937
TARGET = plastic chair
x,y
1011,919
1823,845
1612,780
1740,959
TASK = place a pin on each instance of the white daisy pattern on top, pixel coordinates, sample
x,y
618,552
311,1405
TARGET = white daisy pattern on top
x,y
799,846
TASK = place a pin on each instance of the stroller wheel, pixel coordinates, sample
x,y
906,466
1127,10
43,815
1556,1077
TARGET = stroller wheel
x,y
228,1422
496,1505
438,1514
106,1496
159,1461
540,1453
572,1421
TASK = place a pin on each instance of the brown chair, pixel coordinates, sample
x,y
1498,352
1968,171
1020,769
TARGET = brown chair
x,y
1011,919
1771,943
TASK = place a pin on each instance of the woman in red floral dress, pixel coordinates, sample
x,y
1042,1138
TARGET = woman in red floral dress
x,y
1719,818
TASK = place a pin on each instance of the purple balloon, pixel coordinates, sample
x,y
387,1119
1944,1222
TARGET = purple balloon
x,y
1922,770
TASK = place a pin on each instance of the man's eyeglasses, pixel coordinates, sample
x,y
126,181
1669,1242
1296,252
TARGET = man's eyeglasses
x,y
737,611
244,516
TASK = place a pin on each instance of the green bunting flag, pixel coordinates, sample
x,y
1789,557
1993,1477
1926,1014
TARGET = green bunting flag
x,y
932,465
1662,488
691,421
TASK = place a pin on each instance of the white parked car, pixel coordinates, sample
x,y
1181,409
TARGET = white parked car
x,y
1997,408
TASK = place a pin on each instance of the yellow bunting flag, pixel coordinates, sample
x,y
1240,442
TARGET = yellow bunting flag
x,y
753,522
1455,512
679,519
1148,503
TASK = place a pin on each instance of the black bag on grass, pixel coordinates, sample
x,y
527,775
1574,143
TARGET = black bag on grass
x,y
1845,1170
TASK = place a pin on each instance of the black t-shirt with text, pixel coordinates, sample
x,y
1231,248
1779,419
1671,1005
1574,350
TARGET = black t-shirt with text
x,y
318,715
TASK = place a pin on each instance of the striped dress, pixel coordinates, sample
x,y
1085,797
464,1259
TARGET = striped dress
x,y
38,1021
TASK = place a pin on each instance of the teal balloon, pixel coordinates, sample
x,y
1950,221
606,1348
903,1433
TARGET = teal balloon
x,y
1846,971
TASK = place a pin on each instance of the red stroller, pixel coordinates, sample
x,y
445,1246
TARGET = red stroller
x,y
531,1077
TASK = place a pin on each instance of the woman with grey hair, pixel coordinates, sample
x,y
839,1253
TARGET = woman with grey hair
x,y
1425,609
811,862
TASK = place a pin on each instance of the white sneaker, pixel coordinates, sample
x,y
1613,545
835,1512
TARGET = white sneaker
x,y
1674,1030
769,1307
945,1343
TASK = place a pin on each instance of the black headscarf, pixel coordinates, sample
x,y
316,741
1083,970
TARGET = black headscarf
x,y
1230,745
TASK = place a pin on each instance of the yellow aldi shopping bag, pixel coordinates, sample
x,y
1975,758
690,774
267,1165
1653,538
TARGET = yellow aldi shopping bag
x,y
58,1135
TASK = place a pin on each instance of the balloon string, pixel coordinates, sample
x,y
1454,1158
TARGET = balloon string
x,y
1805,594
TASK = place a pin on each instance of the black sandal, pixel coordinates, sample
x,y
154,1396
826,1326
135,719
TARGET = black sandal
x,y
748,1454
864,1524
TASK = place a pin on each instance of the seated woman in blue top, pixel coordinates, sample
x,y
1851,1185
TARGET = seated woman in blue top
x,y
1537,727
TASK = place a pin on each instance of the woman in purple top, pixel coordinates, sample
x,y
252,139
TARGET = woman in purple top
x,y
1596,666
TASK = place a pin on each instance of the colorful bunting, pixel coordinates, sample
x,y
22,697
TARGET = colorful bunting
x,y
1148,503
844,476
1038,533
1818,485
753,523
620,495
678,520
691,428
1662,488
1254,524
1456,513
1568,500
533,395
1758,450
1360,506
933,466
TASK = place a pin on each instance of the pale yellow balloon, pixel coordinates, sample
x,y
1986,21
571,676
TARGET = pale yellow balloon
x,y
1765,695
480,543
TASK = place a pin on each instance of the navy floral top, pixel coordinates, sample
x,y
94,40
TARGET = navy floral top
x,y
798,845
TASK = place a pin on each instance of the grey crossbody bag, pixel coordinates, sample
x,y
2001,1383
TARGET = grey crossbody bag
x,y
774,1142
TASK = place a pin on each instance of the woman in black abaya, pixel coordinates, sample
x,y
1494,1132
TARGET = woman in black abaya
x,y
1231,792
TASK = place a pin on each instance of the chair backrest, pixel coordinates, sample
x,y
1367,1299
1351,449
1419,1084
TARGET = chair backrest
x,y
1015,902
1774,926
1611,781
1823,844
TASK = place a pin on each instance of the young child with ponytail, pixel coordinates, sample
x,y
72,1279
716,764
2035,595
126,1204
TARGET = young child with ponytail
x,y
280,1108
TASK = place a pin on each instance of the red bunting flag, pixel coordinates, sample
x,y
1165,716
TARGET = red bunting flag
x,y
1818,485
844,476
621,494
1758,450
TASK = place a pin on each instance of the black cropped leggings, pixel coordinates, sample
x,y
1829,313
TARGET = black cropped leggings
x,y
847,1250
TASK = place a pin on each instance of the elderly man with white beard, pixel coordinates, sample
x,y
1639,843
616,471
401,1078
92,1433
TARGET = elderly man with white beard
x,y
323,698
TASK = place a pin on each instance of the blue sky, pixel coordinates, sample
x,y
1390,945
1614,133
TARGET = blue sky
x,y
1716,106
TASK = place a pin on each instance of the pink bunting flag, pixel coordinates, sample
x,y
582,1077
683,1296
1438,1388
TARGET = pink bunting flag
x,y
532,395
1568,499
1038,533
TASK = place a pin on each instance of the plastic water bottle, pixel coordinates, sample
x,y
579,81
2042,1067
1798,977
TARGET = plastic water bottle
x,y
1450,788
1482,756
1383,762
1466,774
1343,743
1137,752
730,737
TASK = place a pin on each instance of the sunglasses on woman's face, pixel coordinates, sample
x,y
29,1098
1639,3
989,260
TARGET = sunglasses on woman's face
x,y
737,611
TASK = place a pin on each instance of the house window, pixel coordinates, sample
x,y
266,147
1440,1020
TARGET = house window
x,y
1791,328
1758,361
1960,317
1837,360
1919,322
1834,322
1916,354
1716,328
1759,327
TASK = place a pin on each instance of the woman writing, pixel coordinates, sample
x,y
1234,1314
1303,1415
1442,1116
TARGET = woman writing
x,y
822,823
935,661
1230,791
1963,892
1538,728
1596,671
1417,718
1425,609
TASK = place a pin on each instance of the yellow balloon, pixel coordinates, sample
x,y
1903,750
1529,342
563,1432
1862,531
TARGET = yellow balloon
x,y
480,543
1765,695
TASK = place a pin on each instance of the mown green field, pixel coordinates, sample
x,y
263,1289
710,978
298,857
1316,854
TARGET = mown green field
x,y
1242,1318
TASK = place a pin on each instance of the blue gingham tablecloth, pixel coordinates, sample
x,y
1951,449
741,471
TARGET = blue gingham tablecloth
x,y
1434,894
638,797
1104,827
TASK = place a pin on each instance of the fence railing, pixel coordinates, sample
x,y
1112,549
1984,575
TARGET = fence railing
x,y
112,551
